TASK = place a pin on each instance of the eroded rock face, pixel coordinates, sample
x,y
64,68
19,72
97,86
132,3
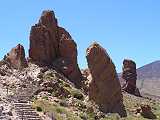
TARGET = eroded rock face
x,y
130,76
53,45
16,57
43,39
67,46
104,88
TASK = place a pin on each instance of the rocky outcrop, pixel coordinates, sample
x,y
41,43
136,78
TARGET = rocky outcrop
x,y
16,57
146,112
104,88
43,39
70,70
130,76
53,45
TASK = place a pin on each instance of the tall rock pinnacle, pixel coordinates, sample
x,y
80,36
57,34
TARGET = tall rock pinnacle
x,y
53,45
130,76
44,39
104,87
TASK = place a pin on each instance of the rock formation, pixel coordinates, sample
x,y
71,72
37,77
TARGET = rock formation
x,y
43,39
53,45
16,57
130,76
147,112
104,88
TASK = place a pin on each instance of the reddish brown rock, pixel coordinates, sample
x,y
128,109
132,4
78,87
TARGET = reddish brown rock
x,y
146,112
53,45
16,57
104,88
67,46
43,39
130,76
70,70
68,57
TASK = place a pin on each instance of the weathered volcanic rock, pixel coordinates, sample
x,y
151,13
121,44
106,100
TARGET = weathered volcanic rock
x,y
146,112
67,46
70,70
67,61
104,88
130,76
53,45
43,39
16,57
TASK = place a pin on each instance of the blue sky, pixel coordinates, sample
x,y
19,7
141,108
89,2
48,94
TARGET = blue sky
x,y
125,28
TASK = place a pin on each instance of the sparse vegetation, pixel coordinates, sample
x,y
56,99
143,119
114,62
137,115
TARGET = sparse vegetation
x,y
77,94
63,103
58,110
46,98
39,109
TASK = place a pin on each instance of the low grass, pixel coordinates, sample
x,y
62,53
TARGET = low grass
x,y
59,111
75,93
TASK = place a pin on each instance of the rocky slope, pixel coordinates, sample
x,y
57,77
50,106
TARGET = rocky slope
x,y
43,93
48,85
148,79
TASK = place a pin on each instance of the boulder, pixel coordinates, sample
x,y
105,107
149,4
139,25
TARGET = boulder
x,y
16,57
2,72
104,87
130,76
146,112
52,45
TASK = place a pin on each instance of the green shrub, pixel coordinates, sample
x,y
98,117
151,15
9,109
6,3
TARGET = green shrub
x,y
77,94
83,116
63,103
60,110
46,98
39,109
81,105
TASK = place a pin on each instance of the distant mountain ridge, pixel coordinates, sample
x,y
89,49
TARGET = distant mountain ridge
x,y
148,79
151,70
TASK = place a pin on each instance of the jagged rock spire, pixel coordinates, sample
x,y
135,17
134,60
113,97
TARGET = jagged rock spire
x,y
53,45
16,57
105,87
129,74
